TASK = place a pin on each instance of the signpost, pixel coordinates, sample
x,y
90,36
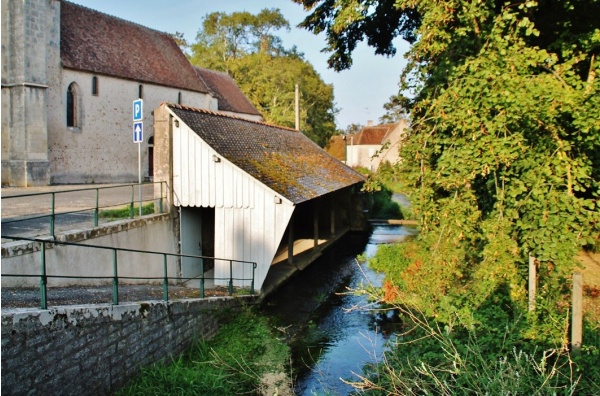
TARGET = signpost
x,y
138,137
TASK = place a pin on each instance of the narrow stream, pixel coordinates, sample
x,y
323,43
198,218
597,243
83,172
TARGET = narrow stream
x,y
314,312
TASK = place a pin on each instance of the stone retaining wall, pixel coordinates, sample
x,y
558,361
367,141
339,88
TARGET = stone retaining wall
x,y
95,349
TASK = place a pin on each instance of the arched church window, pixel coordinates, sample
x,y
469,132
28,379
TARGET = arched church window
x,y
73,105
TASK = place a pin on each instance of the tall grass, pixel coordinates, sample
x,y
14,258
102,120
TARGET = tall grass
x,y
232,363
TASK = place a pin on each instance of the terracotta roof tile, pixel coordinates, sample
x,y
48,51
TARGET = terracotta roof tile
x,y
283,159
373,135
223,87
103,44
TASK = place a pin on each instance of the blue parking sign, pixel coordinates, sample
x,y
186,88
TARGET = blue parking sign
x,y
138,110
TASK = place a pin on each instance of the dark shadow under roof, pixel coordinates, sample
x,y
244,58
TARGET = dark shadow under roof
x,y
99,43
283,159
230,96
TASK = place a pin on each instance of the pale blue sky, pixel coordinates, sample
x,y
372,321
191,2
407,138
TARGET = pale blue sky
x,y
360,92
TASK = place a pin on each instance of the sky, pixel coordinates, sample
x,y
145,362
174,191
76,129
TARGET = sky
x,y
360,92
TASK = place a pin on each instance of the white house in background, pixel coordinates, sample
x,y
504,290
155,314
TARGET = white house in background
x,y
374,144
247,190
69,77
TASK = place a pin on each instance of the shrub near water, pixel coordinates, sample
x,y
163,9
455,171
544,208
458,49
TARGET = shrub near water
x,y
231,363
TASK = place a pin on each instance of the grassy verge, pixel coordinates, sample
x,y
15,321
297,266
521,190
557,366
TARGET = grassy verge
x,y
233,362
123,213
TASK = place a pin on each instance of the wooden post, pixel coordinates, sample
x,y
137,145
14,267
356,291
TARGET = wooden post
x,y
532,283
291,242
316,224
332,221
577,319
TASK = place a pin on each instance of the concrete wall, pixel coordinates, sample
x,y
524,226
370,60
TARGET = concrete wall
x,y
153,233
94,350
101,149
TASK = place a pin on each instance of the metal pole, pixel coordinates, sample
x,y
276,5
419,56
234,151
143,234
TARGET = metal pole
x,y
297,108
52,218
165,280
140,175
202,278
115,288
43,280
252,283
230,277
131,203
96,210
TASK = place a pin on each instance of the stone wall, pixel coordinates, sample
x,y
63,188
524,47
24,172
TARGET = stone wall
x,y
94,350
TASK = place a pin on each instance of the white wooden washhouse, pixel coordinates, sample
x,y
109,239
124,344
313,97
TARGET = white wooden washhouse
x,y
248,191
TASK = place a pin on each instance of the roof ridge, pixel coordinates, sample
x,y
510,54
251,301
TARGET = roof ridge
x,y
218,113
117,18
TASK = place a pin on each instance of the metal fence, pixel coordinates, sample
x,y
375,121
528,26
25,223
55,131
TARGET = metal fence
x,y
100,198
115,278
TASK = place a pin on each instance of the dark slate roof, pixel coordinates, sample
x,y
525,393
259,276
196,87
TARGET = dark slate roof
x,y
223,87
99,43
373,135
281,158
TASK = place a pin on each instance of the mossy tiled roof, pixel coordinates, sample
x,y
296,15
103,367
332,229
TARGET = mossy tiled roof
x,y
283,159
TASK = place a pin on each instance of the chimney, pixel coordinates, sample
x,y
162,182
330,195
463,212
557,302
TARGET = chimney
x,y
369,122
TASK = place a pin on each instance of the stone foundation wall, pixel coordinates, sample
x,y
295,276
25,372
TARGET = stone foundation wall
x,y
94,350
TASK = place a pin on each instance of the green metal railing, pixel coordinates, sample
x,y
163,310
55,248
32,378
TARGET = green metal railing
x,y
43,275
95,208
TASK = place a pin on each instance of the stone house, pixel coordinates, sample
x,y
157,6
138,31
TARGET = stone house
x,y
69,77
371,146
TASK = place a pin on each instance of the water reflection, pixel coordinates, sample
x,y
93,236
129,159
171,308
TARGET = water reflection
x,y
331,337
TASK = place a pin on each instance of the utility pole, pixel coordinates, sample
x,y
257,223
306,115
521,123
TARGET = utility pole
x,y
297,108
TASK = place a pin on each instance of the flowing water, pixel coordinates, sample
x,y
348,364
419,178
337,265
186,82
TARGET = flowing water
x,y
333,332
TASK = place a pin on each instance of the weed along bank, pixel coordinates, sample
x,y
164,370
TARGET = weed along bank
x,y
252,192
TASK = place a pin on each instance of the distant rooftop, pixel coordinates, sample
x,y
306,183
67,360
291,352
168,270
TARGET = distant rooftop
x,y
223,87
283,159
372,135
100,43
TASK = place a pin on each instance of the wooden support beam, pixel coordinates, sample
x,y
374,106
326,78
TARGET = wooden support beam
x,y
577,318
316,224
291,242
532,283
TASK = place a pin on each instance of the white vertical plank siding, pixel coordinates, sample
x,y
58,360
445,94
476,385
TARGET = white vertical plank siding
x,y
211,180
185,160
219,186
204,174
227,187
249,225
176,167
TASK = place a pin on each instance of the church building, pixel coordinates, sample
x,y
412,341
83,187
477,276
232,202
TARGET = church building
x,y
69,77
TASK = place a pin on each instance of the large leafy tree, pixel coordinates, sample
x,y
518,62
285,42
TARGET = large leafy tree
x,y
246,47
503,158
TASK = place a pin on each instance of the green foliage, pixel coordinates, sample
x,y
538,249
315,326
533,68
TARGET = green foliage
x,y
503,156
123,213
429,359
244,46
383,207
231,363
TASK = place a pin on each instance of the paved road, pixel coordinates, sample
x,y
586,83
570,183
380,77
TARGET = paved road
x,y
26,211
